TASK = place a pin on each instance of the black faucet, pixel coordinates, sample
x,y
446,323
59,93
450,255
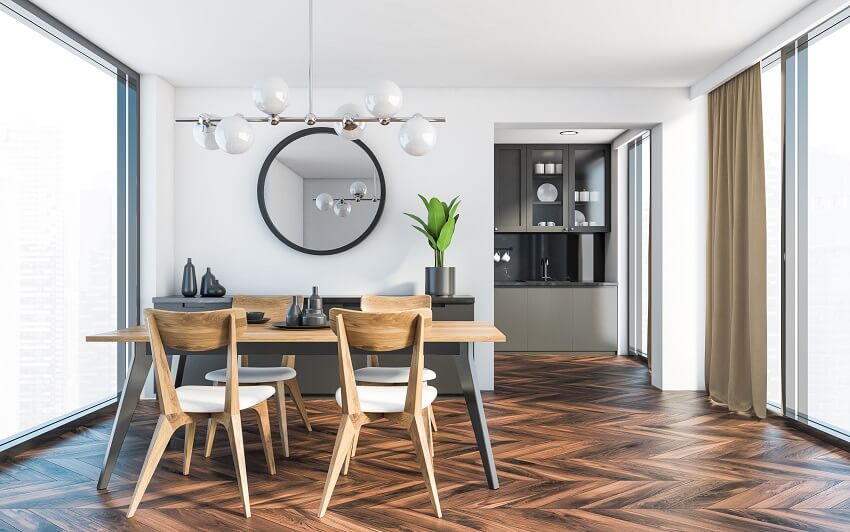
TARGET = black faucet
x,y
545,262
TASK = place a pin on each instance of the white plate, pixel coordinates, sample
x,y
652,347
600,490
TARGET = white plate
x,y
580,218
547,192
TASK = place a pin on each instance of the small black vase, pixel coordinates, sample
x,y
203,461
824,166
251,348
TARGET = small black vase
x,y
216,290
190,282
207,283
293,315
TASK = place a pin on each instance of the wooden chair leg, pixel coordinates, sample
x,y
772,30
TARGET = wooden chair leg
x,y
295,392
354,443
431,418
161,435
262,410
280,395
423,456
233,424
189,442
428,431
344,438
211,427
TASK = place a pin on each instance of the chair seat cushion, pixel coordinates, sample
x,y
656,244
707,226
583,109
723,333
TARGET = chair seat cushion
x,y
381,375
248,375
386,399
208,399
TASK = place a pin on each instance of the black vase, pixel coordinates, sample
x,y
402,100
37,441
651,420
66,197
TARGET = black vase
x,y
190,282
207,282
293,315
216,290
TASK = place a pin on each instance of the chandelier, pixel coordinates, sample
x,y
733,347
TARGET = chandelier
x,y
234,134
342,206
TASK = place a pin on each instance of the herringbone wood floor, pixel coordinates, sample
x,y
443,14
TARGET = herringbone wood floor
x,y
581,441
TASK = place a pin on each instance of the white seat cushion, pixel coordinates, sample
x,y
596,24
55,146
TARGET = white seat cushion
x,y
207,399
386,399
382,375
254,375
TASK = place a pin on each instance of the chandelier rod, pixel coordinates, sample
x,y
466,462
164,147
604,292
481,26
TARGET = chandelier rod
x,y
310,60
207,120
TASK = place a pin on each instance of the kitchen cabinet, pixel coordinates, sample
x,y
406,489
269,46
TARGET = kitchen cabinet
x,y
595,317
577,177
570,318
510,318
550,320
509,188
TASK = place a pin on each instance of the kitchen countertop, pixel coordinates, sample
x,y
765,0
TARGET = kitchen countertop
x,y
548,284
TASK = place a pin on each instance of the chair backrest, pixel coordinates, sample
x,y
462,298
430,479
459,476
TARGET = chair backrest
x,y
380,331
275,307
194,331
394,303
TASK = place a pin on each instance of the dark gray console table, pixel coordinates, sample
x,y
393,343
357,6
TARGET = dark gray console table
x,y
318,375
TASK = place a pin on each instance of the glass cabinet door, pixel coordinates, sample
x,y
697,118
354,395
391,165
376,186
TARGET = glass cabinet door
x,y
589,194
546,190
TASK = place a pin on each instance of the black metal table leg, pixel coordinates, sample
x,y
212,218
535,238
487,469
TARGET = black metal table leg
x,y
469,383
139,369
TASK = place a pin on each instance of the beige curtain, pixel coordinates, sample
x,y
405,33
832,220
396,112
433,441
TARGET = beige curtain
x,y
735,318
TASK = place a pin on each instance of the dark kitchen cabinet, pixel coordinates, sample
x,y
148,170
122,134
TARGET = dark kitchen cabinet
x,y
509,208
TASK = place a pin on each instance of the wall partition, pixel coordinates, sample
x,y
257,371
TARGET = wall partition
x,y
68,221
806,106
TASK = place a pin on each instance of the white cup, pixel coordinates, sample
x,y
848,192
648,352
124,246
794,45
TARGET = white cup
x,y
550,168
506,257
539,168
496,257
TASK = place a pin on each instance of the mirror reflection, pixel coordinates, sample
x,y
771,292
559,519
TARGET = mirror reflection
x,y
321,193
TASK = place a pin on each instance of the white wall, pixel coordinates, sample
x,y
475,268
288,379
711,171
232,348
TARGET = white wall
x,y
285,200
219,225
158,267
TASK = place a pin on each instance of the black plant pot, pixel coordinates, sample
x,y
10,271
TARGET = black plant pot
x,y
440,281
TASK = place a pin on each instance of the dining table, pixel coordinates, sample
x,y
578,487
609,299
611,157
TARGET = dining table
x,y
442,338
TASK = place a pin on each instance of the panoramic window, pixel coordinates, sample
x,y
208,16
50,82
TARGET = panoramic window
x,y
805,100
63,211
639,269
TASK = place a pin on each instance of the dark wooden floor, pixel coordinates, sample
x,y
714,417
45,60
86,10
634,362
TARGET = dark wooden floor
x,y
582,442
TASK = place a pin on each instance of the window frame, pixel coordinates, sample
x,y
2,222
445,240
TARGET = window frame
x,y
128,209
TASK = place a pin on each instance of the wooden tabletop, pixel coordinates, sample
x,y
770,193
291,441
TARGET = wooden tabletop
x,y
438,331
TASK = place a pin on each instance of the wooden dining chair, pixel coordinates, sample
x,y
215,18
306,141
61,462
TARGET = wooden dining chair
x,y
281,377
405,406
376,375
189,405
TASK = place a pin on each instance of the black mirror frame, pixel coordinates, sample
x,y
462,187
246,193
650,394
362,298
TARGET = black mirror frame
x,y
261,186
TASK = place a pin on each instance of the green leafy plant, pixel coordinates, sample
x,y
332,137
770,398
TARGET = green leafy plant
x,y
440,227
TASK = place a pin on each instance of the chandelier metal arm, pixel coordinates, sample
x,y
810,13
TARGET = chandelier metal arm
x,y
325,119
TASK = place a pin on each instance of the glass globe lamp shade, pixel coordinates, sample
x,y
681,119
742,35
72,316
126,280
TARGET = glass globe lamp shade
x,y
348,128
383,99
270,95
205,136
324,201
417,136
357,189
342,209
234,134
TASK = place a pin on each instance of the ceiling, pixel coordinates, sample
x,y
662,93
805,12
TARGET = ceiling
x,y
427,43
549,136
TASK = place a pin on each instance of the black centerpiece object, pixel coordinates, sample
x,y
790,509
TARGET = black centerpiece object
x,y
210,287
313,314
190,282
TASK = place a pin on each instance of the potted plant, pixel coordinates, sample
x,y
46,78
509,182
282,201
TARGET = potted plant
x,y
439,229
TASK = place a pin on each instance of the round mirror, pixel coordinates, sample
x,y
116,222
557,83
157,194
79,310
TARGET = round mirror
x,y
320,193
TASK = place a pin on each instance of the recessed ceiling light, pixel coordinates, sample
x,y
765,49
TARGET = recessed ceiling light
x,y
569,132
